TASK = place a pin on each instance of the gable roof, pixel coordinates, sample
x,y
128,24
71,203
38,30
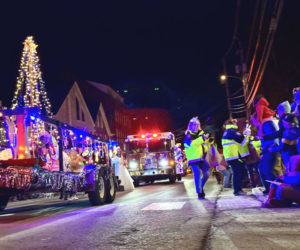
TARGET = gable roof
x,y
93,94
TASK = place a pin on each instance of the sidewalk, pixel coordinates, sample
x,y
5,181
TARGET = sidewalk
x,y
241,223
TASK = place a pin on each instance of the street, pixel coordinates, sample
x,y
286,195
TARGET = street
x,y
157,216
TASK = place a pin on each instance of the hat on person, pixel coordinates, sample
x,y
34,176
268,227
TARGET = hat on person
x,y
194,125
284,107
290,118
297,95
295,90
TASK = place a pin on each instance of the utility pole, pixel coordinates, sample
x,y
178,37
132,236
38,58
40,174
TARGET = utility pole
x,y
227,90
244,78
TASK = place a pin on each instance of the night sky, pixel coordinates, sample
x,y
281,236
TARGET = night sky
x,y
176,46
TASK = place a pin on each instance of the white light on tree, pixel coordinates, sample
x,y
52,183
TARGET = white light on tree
x,y
30,89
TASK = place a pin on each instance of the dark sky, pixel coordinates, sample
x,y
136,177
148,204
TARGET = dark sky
x,y
175,46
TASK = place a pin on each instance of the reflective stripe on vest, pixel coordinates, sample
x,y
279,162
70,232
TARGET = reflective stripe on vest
x,y
232,158
244,148
230,149
244,141
228,143
229,126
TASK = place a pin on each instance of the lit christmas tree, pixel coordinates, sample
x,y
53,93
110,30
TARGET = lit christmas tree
x,y
30,90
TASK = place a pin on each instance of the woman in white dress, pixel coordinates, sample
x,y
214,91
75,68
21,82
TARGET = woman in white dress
x,y
122,172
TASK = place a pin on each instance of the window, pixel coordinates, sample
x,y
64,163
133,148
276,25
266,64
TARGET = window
x,y
77,110
82,116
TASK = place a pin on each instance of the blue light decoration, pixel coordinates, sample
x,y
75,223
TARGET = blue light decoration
x,y
112,144
32,118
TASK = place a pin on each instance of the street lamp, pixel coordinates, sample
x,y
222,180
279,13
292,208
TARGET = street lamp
x,y
224,79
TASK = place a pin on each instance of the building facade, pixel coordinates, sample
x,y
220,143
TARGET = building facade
x,y
96,108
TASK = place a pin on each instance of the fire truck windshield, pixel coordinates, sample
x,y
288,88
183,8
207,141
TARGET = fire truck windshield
x,y
158,145
135,147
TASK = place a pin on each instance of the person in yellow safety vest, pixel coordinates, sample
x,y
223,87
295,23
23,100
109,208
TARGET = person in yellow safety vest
x,y
234,150
253,160
195,147
256,142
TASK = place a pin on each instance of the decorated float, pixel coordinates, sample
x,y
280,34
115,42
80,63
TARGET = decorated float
x,y
41,154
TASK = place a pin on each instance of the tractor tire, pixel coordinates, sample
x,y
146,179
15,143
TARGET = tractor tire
x,y
172,178
110,190
98,196
136,182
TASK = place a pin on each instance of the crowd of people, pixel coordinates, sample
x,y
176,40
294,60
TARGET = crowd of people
x,y
262,153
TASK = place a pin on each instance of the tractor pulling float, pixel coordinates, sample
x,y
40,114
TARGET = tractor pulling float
x,y
40,154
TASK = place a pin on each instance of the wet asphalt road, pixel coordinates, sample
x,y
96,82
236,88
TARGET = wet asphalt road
x,y
157,216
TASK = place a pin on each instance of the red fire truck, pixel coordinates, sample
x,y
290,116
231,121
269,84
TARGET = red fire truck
x,y
152,156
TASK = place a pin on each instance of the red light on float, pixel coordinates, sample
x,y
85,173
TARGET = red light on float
x,y
154,135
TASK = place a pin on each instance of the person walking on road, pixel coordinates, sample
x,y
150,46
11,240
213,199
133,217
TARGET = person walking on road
x,y
195,144
234,144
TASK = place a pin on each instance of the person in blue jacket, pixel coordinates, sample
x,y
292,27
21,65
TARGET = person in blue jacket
x,y
195,144
288,142
269,159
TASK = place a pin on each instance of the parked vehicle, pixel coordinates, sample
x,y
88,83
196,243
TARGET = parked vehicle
x,y
151,157
40,154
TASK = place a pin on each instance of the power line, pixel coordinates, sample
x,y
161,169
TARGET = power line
x,y
252,29
271,34
257,42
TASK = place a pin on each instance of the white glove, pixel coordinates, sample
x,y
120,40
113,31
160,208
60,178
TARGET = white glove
x,y
247,131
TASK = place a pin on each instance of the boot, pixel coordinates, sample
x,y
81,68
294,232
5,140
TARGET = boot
x,y
273,203
201,196
271,196
272,193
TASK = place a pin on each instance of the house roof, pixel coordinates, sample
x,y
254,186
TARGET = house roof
x,y
96,93
93,94
107,90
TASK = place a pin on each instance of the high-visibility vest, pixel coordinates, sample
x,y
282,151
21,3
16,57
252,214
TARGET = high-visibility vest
x,y
230,149
244,147
195,151
257,145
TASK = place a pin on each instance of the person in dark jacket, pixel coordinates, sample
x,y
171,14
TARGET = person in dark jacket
x,y
282,109
288,142
286,189
195,144
269,160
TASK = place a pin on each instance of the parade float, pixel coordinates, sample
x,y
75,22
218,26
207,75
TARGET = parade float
x,y
41,154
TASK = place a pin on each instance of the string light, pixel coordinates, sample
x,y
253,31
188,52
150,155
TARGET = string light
x,y
30,89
